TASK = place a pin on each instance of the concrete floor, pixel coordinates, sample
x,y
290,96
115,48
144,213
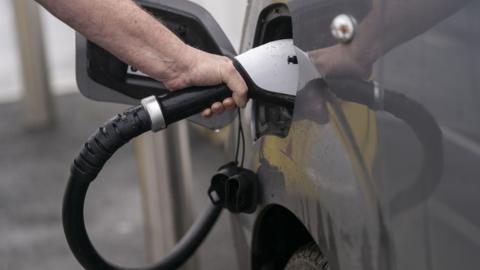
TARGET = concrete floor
x,y
33,168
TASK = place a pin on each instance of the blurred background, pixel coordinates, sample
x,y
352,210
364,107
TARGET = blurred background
x,y
44,122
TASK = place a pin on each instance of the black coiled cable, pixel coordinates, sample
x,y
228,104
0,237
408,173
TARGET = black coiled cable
x,y
93,156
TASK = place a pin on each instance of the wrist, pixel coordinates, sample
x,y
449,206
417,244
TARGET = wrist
x,y
169,66
179,74
186,57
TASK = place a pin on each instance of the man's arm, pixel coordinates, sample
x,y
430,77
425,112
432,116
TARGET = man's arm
x,y
137,38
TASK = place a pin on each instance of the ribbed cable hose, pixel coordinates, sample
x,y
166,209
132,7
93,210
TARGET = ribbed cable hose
x,y
91,159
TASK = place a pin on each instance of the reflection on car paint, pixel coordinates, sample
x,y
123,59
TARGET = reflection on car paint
x,y
344,199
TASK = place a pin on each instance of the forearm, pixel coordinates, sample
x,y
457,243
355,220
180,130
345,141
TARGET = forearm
x,y
124,29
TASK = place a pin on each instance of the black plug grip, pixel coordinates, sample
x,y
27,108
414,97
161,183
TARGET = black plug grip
x,y
178,105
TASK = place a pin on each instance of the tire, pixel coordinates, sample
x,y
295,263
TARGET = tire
x,y
308,257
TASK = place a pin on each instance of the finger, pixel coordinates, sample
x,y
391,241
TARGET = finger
x,y
207,113
238,86
229,103
217,107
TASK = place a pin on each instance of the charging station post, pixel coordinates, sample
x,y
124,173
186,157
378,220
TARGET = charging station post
x,y
38,109
166,186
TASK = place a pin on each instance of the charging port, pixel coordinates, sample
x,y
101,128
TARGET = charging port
x,y
274,23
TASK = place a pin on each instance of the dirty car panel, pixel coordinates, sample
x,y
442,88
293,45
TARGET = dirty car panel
x,y
341,167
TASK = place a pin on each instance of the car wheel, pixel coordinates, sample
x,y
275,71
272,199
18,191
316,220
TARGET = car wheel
x,y
308,257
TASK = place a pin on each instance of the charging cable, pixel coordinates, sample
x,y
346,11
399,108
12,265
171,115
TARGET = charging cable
x,y
155,114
